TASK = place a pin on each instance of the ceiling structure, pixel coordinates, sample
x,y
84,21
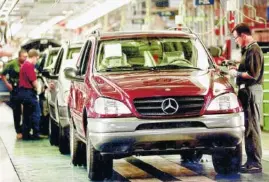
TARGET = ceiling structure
x,y
30,14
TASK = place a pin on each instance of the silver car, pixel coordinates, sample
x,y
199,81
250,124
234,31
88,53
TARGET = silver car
x,y
57,95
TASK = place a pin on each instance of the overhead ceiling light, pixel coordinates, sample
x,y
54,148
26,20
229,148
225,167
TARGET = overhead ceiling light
x,y
45,26
68,12
96,12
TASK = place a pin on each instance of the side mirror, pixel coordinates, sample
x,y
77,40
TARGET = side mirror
x,y
71,74
46,73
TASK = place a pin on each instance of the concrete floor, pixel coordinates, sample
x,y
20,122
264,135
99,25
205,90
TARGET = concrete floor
x,y
37,161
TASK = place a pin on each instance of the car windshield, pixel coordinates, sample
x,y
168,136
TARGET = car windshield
x,y
51,59
151,53
46,60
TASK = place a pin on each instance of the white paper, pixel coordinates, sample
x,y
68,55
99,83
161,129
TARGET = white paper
x,y
112,50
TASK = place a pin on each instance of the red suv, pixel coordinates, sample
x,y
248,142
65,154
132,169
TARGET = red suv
x,y
147,93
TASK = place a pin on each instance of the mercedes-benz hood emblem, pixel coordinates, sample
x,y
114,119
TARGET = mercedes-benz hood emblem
x,y
169,106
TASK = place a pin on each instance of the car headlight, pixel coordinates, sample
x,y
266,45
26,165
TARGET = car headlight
x,y
224,102
110,106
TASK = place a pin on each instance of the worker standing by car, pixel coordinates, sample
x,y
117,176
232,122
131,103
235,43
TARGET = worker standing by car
x,y
249,78
28,96
10,77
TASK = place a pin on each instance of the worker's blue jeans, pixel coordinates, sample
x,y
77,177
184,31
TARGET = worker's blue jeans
x,y
16,108
31,112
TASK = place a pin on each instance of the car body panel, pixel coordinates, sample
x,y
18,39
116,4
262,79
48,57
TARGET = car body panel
x,y
133,84
59,86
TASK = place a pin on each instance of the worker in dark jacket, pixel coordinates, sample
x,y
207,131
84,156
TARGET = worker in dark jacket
x,y
28,86
249,78
10,77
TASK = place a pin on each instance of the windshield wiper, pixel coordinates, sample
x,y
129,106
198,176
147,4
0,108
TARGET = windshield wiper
x,y
137,68
126,68
174,67
122,68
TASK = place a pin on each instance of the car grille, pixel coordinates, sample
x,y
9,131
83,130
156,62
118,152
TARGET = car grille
x,y
171,125
173,106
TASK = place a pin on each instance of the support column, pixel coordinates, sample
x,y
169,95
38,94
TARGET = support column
x,y
148,13
123,18
212,26
105,24
221,26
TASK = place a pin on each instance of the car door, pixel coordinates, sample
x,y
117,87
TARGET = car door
x,y
53,85
63,83
78,89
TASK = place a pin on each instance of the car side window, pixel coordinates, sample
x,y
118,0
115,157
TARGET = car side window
x,y
52,57
84,58
58,62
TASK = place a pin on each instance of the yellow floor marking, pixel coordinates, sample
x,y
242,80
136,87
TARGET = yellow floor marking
x,y
174,169
131,172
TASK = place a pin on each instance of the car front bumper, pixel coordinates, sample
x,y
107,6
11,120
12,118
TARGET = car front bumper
x,y
121,136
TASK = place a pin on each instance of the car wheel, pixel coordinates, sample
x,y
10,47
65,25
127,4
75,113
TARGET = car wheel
x,y
98,167
53,132
108,166
77,148
64,147
191,156
228,161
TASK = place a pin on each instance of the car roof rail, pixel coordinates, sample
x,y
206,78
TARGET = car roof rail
x,y
68,42
96,32
182,28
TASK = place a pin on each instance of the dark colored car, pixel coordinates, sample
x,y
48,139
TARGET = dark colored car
x,y
148,93
40,44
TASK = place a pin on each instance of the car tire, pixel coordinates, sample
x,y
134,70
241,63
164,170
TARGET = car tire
x,y
228,161
53,132
191,156
108,166
64,147
98,167
77,149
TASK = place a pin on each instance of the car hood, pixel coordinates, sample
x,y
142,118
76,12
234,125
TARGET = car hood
x,y
162,83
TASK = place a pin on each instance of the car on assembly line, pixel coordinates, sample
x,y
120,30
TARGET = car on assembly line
x,y
41,44
57,95
151,93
